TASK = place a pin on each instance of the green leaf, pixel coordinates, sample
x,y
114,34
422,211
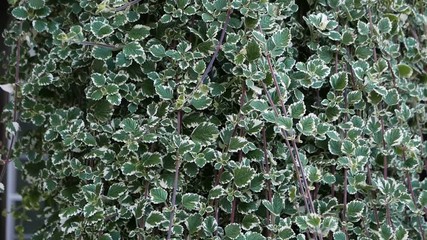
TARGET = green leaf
x,y
307,124
384,25
363,28
164,92
158,195
100,29
133,50
157,50
297,109
129,125
114,99
334,147
232,230
155,219
139,32
404,71
98,79
69,212
149,159
259,105
392,97
205,134
128,168
250,221
282,38
422,199
393,137
253,51
190,201
275,206
209,225
386,232
200,67
194,223
401,233
243,176
286,233
36,4
254,236
236,144
339,236
355,209
285,123
339,81
101,53
313,220
116,190
20,13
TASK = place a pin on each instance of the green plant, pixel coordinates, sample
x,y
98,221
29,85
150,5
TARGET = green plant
x,y
212,119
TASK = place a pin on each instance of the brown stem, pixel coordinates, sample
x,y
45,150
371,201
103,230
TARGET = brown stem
x,y
175,182
126,5
214,56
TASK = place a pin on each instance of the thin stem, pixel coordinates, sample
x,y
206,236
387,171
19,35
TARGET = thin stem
x,y
175,182
126,5
214,55
306,195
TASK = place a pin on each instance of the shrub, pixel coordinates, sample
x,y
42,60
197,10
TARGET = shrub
x,y
216,119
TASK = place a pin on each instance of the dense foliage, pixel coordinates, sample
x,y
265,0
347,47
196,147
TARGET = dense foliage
x,y
217,119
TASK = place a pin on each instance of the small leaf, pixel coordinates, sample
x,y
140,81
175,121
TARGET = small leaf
x,y
393,137
194,223
355,209
205,134
282,38
392,97
36,4
133,50
243,176
253,51
116,190
98,79
190,201
158,195
232,230
157,50
155,219
20,13
275,206
297,109
259,105
404,71
100,29
384,25
236,144
339,81
149,159
102,53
